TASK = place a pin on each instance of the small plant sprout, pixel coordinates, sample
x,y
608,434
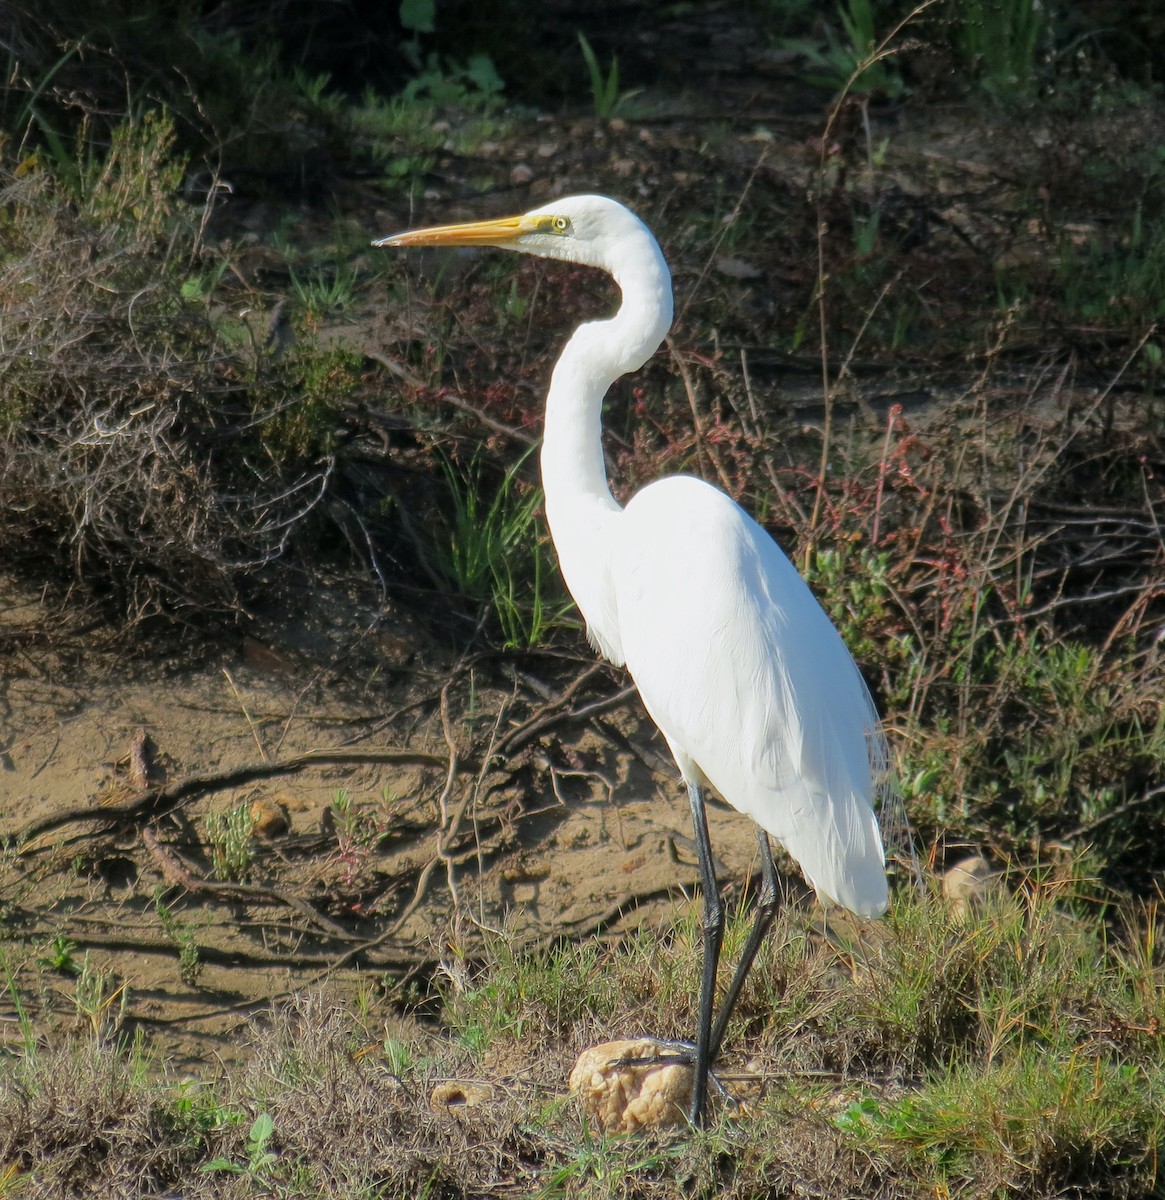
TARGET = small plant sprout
x,y
322,292
358,829
606,97
62,956
201,285
398,1056
854,61
189,963
232,843
99,997
259,1159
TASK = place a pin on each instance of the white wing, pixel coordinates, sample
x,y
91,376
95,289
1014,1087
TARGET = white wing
x,y
751,684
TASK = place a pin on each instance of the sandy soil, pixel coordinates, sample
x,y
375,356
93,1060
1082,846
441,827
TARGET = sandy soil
x,y
578,826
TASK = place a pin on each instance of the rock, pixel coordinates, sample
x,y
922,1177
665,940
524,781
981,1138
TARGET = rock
x,y
268,818
624,1099
458,1093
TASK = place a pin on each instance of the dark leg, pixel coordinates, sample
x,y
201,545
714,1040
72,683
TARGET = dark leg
x,y
766,909
713,936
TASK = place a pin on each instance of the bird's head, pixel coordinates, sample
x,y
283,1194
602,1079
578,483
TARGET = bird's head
x,y
593,230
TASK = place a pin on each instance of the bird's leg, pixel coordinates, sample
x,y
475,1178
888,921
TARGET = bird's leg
x,y
713,936
766,908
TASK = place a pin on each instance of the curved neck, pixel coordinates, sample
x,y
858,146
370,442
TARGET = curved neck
x,y
573,469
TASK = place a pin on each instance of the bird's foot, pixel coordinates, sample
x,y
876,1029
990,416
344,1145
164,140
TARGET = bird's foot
x,y
669,1050
675,1052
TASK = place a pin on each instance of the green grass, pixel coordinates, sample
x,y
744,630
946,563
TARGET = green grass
x,y
494,549
1121,284
851,60
606,97
998,42
1014,1050
322,292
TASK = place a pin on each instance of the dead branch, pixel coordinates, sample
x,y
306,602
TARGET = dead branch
x,y
177,873
153,801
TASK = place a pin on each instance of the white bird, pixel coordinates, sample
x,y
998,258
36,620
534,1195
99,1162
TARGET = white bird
x,y
735,660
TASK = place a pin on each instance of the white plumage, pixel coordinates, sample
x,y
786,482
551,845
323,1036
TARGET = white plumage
x,y
736,662
750,683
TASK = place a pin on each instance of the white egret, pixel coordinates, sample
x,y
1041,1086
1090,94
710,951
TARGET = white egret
x,y
735,660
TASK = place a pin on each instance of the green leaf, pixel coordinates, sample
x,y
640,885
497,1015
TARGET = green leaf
x,y
481,72
262,1129
419,15
222,1164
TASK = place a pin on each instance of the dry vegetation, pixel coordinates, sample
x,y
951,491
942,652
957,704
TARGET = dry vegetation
x,y
221,414
1000,1052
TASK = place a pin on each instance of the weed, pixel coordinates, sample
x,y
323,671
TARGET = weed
x,y
1119,285
853,587
851,61
399,1056
322,293
446,108
997,42
472,83
115,479
606,97
195,1111
1036,1113
404,134
259,1159
99,997
444,81
529,997
28,1037
300,405
230,833
317,93
357,830
608,1167
400,137
866,234
61,956
189,963
495,552
201,286
138,176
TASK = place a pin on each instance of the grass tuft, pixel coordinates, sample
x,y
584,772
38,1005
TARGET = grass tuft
x,y
1013,1049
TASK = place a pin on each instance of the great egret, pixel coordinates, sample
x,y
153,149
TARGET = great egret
x,y
736,662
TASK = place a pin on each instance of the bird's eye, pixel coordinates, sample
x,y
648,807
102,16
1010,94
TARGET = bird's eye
x,y
560,224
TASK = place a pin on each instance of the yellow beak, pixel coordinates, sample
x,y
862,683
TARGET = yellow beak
x,y
502,232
